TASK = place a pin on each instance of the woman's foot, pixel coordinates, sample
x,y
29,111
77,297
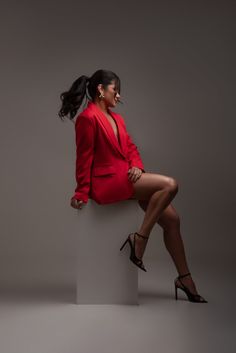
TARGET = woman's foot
x,y
140,244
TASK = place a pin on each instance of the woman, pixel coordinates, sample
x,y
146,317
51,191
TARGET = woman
x,y
109,169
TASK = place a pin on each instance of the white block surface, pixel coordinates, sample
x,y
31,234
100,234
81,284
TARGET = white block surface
x,y
105,275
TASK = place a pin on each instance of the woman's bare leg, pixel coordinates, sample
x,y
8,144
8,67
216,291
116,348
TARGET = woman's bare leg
x,y
170,222
158,190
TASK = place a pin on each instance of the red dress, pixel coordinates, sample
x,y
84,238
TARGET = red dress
x,y
102,163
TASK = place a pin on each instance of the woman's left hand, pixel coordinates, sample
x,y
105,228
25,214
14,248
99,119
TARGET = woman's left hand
x,y
134,174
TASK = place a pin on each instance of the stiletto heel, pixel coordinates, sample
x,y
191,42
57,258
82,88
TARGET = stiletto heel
x,y
196,298
138,262
124,244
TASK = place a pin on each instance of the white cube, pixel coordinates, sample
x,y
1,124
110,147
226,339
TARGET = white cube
x,y
105,275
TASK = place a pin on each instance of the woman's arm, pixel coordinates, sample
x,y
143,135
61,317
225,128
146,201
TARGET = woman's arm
x,y
85,137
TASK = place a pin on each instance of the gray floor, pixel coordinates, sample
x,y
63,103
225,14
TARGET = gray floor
x,y
49,321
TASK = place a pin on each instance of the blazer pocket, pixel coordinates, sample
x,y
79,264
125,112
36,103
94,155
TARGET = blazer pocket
x,y
104,170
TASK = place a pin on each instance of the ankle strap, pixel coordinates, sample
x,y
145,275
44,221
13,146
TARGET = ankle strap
x,y
140,235
181,276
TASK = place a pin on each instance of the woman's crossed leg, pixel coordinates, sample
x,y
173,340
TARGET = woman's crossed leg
x,y
154,193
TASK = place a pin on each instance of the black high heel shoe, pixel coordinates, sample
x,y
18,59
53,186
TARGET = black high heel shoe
x,y
138,262
196,298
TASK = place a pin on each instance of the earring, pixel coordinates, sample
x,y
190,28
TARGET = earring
x,y
101,95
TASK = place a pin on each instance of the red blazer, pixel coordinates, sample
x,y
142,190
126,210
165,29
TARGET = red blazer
x,y
102,163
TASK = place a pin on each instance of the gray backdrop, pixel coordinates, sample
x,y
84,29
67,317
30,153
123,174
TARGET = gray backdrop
x,y
176,62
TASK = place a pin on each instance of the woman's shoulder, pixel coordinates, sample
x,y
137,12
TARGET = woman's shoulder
x,y
85,115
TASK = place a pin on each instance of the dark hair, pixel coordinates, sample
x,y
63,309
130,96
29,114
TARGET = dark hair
x,y
73,98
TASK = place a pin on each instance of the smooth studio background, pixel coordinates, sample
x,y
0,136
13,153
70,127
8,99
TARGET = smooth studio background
x,y
176,62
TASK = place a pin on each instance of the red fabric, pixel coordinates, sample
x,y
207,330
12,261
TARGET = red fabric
x,y
102,163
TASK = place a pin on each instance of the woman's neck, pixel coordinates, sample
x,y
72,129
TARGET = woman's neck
x,y
101,105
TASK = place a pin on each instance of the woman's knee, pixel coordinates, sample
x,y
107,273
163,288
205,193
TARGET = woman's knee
x,y
172,185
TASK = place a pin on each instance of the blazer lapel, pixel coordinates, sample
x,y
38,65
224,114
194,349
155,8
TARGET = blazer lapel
x,y
106,125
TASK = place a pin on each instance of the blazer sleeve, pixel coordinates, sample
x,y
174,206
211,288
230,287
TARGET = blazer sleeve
x,y
133,154
85,141
134,157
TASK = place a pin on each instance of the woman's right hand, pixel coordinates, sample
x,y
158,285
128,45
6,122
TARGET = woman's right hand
x,y
78,204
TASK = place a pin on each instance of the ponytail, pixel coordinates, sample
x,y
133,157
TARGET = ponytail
x,y
73,98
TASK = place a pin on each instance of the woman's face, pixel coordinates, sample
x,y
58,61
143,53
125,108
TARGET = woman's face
x,y
111,95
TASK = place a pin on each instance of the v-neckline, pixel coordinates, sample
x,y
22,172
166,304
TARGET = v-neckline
x,y
118,132
108,123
